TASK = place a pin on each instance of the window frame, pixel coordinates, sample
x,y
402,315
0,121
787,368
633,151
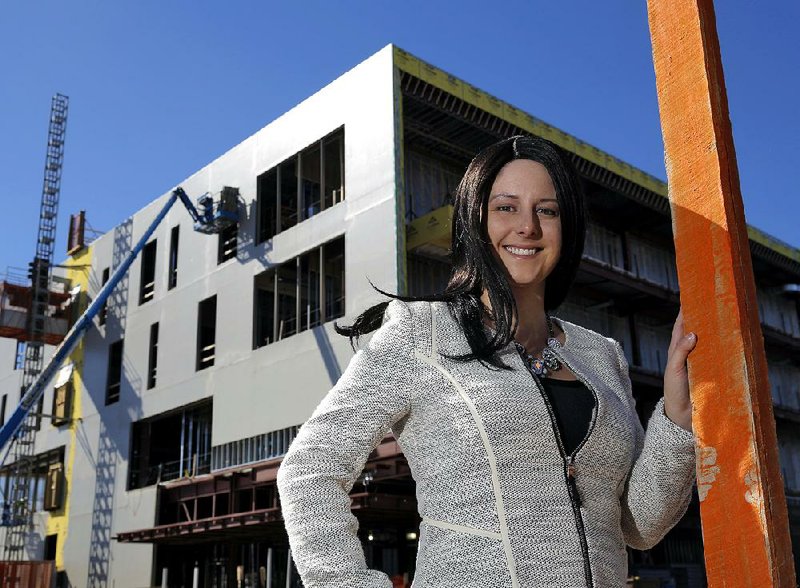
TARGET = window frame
x,y
301,212
322,286
113,397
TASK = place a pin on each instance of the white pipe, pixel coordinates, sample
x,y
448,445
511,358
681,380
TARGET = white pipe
x,y
289,568
269,567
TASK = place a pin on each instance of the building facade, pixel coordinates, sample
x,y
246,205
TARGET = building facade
x,y
169,421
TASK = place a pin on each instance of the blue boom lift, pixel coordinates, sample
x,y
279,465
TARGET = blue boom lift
x,y
211,218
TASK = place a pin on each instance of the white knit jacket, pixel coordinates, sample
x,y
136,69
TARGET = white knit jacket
x,y
492,482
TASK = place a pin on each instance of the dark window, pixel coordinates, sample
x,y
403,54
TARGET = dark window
x,y
264,309
333,163
104,311
333,256
172,279
287,299
310,310
227,243
50,543
62,403
152,361
3,403
301,186
304,300
147,285
171,446
267,204
311,185
287,180
114,378
206,332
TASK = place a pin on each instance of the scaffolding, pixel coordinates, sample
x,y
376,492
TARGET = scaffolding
x,y
17,509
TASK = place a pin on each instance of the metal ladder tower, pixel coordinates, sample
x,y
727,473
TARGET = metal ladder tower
x,y
19,509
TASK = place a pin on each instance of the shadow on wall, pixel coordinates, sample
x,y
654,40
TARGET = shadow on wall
x,y
326,351
114,420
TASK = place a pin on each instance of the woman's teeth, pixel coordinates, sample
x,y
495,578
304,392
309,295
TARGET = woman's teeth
x,y
518,251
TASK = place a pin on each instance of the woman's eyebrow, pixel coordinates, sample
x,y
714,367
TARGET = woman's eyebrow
x,y
503,195
515,197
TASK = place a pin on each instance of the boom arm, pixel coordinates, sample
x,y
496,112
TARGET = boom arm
x,y
78,330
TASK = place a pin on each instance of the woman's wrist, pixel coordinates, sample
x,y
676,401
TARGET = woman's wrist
x,y
681,416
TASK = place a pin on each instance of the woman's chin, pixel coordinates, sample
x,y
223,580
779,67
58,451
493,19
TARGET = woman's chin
x,y
526,283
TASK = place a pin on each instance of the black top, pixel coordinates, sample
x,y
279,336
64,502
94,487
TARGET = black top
x,y
572,404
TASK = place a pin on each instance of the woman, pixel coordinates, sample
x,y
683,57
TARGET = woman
x,y
519,428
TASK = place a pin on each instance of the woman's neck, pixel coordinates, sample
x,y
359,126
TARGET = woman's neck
x,y
532,332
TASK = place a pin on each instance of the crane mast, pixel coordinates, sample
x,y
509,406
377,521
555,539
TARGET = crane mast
x,y
18,510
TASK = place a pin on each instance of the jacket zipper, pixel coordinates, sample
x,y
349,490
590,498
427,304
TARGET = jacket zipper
x,y
569,468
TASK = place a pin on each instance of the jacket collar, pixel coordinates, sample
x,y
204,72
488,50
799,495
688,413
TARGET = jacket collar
x,y
582,348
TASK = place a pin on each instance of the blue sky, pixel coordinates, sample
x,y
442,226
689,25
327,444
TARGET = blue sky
x,y
158,89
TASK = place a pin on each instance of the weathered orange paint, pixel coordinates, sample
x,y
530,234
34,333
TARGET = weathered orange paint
x,y
743,507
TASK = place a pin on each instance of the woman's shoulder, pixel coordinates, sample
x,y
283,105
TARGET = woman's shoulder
x,y
429,322
580,336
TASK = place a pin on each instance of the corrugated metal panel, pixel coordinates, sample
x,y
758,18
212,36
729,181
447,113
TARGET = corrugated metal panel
x,y
604,245
784,380
653,263
779,312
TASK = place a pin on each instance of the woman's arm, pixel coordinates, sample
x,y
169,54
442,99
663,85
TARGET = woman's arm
x,y
659,485
329,453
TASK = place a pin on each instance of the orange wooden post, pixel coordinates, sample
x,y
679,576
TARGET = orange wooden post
x,y
743,507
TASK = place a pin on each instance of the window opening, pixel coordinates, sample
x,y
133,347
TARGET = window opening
x,y
334,279
206,332
264,309
301,186
311,185
267,204
227,243
171,446
152,356
147,284
172,279
333,163
114,378
294,297
287,179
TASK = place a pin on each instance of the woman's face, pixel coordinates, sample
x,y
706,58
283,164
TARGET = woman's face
x,y
524,223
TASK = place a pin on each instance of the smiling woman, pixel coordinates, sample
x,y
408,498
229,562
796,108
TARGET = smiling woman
x,y
519,428
523,224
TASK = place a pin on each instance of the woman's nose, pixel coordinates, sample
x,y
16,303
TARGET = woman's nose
x,y
529,226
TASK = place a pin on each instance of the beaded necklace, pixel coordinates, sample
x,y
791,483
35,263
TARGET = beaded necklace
x,y
548,362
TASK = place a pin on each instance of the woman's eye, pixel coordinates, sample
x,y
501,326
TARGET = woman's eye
x,y
504,207
547,211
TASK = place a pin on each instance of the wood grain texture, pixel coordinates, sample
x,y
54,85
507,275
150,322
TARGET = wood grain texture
x,y
743,507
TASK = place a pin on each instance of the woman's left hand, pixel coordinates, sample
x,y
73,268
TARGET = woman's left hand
x,y
677,405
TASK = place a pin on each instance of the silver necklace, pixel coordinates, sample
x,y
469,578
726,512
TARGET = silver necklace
x,y
548,362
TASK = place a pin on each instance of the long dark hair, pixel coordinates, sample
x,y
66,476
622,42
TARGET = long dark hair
x,y
474,266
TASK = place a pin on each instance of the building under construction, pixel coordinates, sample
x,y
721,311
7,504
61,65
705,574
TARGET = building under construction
x,y
156,462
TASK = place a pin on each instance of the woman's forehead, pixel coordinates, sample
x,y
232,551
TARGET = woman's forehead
x,y
523,178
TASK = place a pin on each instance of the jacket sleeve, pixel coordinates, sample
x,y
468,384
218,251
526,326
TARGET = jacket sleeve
x,y
329,453
659,486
